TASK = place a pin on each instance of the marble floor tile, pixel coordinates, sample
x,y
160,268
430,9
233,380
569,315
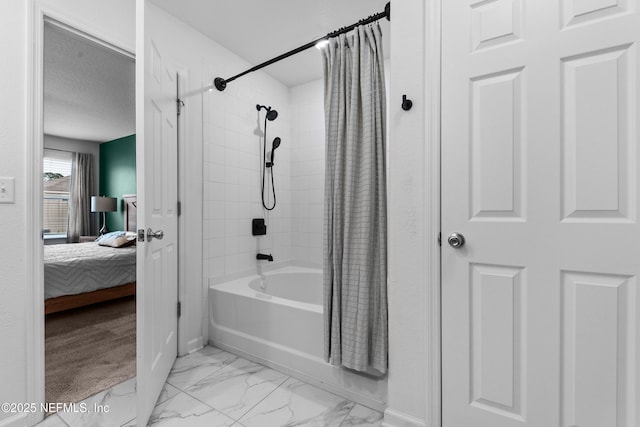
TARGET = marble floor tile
x,y
237,388
184,410
168,391
193,367
120,401
361,416
52,421
295,403
221,389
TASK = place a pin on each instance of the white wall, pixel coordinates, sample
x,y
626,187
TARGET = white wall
x,y
73,145
307,172
13,257
115,18
112,21
411,239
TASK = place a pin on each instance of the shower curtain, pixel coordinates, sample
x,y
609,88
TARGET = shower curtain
x,y
355,215
79,222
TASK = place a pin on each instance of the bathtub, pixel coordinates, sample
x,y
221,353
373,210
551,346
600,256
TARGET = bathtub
x,y
277,319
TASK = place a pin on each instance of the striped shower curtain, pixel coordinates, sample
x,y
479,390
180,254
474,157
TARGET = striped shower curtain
x,y
355,215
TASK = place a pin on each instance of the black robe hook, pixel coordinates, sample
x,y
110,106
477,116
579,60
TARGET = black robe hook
x,y
406,103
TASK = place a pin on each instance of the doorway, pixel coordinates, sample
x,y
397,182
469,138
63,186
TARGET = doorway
x,y
110,36
88,204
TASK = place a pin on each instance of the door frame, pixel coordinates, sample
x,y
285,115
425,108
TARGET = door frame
x,y
38,14
432,191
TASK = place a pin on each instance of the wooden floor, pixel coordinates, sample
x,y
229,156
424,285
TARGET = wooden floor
x,y
89,349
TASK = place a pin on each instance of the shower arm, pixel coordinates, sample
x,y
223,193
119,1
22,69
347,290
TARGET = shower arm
x,y
221,84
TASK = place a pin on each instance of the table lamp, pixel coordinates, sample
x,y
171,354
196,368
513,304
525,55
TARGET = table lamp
x,y
103,204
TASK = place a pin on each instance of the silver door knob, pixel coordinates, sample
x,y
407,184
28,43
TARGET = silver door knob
x,y
456,240
157,235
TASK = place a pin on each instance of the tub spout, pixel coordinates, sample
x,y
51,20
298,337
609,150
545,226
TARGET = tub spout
x,y
265,257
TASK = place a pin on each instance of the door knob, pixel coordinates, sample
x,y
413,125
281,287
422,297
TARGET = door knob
x,y
456,240
157,235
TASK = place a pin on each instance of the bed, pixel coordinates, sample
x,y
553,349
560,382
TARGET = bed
x,y
79,274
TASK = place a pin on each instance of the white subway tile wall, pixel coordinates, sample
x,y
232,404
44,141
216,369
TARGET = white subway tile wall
x,y
231,164
232,176
307,171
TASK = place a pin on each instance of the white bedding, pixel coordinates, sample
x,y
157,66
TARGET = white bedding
x,y
75,268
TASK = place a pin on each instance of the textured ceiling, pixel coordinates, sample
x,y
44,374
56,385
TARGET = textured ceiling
x,y
89,89
258,30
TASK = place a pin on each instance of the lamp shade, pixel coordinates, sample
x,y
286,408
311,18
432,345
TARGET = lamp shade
x,y
103,204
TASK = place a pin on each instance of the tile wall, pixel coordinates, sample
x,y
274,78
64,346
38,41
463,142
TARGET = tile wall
x,y
232,135
307,172
231,174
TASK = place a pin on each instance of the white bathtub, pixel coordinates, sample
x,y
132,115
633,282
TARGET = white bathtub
x,y
300,286
276,319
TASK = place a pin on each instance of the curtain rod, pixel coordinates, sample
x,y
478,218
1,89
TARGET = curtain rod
x,y
221,84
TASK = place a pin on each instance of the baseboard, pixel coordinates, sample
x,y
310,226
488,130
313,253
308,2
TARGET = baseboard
x,y
309,379
195,344
398,419
18,420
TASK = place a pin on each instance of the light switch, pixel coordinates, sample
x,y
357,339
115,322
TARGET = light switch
x,y
7,190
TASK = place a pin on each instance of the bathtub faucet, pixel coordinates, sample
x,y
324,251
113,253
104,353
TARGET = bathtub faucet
x,y
265,257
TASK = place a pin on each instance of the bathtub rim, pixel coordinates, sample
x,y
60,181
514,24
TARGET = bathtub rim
x,y
262,267
240,286
314,285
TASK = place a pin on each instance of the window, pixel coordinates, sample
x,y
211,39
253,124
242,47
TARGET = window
x,y
56,185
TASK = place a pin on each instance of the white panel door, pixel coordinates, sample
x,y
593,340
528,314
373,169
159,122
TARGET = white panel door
x,y
157,293
539,173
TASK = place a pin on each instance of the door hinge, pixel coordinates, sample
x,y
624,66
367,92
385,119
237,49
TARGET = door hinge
x,y
180,105
440,239
179,208
179,309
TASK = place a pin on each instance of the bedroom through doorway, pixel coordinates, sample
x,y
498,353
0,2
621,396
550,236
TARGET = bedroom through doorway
x,y
89,214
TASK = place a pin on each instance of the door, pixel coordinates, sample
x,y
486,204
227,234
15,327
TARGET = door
x,y
157,196
539,174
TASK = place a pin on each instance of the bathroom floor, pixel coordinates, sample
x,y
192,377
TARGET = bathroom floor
x,y
212,387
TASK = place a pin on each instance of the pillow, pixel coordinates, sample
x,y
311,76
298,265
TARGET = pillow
x,y
110,235
117,239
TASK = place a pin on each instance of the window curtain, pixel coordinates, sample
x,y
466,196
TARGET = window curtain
x,y
355,211
80,198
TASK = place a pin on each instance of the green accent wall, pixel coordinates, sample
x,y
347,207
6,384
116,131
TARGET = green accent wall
x,y
118,175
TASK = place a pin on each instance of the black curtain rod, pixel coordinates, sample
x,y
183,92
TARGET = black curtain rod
x,y
221,84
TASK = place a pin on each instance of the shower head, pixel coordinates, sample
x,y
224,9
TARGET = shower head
x,y
275,144
271,113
